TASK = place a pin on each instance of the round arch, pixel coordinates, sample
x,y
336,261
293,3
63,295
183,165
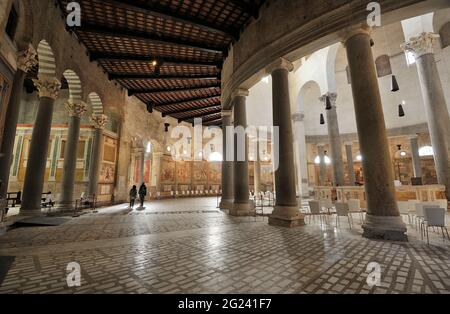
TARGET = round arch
x,y
75,87
47,63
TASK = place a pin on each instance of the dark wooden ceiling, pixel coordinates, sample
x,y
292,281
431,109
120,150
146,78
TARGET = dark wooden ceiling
x,y
187,39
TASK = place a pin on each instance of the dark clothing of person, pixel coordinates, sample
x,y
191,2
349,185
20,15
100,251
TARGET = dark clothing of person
x,y
133,196
142,194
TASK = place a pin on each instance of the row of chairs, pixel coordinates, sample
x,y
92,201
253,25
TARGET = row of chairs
x,y
325,208
191,193
426,215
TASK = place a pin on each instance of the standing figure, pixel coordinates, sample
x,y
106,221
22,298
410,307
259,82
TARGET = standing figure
x,y
142,194
133,195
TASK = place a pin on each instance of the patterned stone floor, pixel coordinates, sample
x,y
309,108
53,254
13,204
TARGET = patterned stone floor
x,y
187,246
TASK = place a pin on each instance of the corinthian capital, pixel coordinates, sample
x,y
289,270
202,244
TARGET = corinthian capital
x,y
76,108
99,121
332,96
26,59
47,87
421,45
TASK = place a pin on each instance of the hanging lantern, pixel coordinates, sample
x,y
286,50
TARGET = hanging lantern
x,y
401,111
328,103
394,85
322,119
372,43
150,107
166,127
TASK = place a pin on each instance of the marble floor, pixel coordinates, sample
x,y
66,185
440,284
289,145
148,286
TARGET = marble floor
x,y
189,246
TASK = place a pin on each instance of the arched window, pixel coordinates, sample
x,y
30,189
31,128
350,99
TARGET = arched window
x,y
445,35
383,64
11,25
426,151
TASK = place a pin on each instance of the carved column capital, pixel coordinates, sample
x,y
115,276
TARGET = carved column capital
x,y
280,64
99,121
48,87
421,45
26,59
76,108
240,92
332,96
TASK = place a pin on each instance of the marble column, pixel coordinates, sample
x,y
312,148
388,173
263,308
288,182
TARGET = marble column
x,y
302,160
417,167
76,110
383,219
99,121
351,167
37,159
435,104
335,140
227,164
286,212
26,59
322,165
241,205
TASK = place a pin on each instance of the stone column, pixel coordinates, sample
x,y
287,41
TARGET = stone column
x,y
351,168
227,164
76,110
257,176
99,122
286,212
26,59
322,165
383,219
37,158
435,104
414,143
142,167
302,160
241,206
335,140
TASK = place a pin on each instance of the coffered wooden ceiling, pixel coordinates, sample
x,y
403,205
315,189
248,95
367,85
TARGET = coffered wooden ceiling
x,y
167,53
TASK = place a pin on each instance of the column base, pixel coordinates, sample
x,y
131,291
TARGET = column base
x,y
30,212
241,209
226,204
63,207
389,228
287,217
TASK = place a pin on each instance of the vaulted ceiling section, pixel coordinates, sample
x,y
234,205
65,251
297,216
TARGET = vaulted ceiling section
x,y
168,53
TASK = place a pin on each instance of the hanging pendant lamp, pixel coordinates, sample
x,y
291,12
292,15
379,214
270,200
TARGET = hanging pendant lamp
x,y
328,103
401,111
322,119
394,84
372,43
166,127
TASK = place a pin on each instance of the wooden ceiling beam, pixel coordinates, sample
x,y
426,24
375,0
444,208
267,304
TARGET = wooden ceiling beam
x,y
188,101
137,76
133,5
141,36
190,88
200,116
168,113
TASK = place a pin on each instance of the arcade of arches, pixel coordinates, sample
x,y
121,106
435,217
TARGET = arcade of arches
x,y
357,148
